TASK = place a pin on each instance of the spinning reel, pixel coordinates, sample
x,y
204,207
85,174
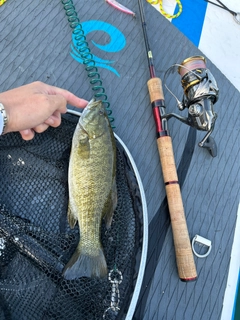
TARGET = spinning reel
x,y
200,94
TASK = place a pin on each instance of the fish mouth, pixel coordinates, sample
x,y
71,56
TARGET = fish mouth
x,y
89,122
93,103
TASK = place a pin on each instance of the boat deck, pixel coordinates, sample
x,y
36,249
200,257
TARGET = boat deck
x,y
35,43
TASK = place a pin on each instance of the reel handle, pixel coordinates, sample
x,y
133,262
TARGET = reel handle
x,y
184,256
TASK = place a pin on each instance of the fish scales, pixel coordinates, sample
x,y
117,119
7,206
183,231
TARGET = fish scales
x,y
90,186
92,189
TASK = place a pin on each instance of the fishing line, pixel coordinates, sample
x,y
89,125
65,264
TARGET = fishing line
x,y
86,56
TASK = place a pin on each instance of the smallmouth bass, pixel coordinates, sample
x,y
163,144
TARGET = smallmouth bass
x,y
92,190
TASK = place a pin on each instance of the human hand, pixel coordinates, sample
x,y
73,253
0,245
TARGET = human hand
x,y
36,106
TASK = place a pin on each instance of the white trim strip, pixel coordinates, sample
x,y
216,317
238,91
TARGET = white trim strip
x,y
230,295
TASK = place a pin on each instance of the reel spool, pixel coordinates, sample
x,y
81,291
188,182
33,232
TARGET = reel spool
x,y
200,94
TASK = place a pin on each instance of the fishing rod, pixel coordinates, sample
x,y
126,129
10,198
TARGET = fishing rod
x,y
184,255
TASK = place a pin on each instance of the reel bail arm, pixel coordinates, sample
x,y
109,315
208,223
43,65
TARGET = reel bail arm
x,y
200,94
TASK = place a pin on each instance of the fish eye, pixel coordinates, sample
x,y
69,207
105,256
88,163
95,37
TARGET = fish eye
x,y
101,113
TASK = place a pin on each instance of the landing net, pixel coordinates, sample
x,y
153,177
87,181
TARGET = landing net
x,y
36,241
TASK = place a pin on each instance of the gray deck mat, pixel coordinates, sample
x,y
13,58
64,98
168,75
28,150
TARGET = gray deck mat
x,y
35,43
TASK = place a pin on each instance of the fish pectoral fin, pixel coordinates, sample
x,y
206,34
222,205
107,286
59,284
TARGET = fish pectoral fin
x,y
71,219
84,148
112,205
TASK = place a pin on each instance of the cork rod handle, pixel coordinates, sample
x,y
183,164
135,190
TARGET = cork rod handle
x,y
183,250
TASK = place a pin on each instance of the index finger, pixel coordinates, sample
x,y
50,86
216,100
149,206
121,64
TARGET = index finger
x,y
71,98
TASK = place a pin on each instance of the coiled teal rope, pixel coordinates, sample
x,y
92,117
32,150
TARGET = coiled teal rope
x,y
86,56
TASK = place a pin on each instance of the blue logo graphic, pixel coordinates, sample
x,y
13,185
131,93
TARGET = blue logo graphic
x,y
117,43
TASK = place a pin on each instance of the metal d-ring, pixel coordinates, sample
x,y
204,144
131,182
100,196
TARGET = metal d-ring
x,y
204,242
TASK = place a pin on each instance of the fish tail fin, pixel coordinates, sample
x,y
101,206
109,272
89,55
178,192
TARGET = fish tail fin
x,y
83,264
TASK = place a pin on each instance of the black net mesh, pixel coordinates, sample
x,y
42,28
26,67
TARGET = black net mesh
x,y
36,241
